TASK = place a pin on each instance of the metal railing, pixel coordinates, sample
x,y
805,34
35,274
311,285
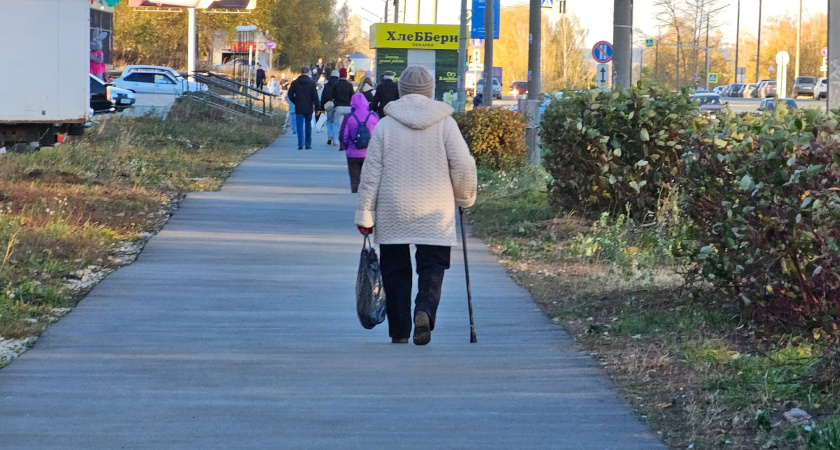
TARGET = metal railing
x,y
241,96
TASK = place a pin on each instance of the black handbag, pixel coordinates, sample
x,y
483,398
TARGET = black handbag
x,y
370,294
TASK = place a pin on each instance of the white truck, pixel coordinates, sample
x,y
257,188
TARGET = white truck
x,y
44,84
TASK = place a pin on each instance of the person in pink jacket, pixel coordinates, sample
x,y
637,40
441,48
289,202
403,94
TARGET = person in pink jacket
x,y
350,138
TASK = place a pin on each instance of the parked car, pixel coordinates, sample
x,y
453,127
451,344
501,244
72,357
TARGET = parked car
x,y
804,86
122,98
100,97
709,102
767,89
769,104
157,81
822,88
519,88
748,90
497,88
759,88
736,90
717,90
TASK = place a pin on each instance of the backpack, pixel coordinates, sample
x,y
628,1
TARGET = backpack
x,y
362,137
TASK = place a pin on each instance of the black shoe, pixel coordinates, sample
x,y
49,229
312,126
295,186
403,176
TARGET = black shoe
x,y
329,141
300,148
399,340
309,148
422,328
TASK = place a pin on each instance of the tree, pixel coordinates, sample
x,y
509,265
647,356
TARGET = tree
x,y
563,53
564,56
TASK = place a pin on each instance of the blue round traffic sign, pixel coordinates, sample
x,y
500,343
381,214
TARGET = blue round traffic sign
x,y
602,52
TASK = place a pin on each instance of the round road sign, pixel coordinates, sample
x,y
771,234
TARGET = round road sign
x,y
602,52
824,51
782,58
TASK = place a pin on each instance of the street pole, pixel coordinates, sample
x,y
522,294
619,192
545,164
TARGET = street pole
x,y
798,37
758,47
487,99
462,60
534,81
737,41
707,51
623,42
385,17
833,56
396,11
191,44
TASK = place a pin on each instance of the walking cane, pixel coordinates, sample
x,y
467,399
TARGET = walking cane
x,y
473,339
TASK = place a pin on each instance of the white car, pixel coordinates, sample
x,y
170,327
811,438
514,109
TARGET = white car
x,y
156,80
822,88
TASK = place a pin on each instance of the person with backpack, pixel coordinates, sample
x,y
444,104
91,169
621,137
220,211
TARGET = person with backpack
x,y
417,169
355,133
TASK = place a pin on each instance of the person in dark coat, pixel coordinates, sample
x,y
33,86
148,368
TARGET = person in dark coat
x,y
478,99
303,94
327,96
260,77
386,92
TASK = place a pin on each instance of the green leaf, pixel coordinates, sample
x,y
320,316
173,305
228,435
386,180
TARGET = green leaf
x,y
617,152
791,161
807,201
643,135
641,163
612,179
720,143
747,183
635,186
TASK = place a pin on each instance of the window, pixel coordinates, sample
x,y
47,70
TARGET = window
x,y
162,79
140,77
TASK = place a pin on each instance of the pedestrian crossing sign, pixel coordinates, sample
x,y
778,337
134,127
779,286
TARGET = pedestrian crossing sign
x,y
650,43
547,4
713,78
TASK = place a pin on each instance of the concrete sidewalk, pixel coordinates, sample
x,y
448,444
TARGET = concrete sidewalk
x,y
236,328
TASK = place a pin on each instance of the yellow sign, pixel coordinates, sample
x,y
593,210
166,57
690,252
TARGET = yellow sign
x,y
423,37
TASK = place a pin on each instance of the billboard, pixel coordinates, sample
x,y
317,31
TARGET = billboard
x,y
199,4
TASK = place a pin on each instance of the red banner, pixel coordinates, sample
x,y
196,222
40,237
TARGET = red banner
x,y
242,46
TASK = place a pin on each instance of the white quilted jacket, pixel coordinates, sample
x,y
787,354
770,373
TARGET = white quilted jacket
x,y
417,169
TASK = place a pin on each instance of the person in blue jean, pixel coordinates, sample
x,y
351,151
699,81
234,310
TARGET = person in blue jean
x,y
303,94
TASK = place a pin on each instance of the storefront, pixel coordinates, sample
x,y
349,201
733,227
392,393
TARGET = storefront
x,y
433,46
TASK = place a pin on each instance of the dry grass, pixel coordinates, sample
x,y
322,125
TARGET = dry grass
x,y
73,207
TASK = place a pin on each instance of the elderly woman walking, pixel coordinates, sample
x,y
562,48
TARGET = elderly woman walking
x,y
417,170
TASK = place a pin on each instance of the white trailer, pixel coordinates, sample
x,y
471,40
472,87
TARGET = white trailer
x,y
44,67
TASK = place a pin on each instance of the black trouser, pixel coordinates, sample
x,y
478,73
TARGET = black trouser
x,y
354,166
395,264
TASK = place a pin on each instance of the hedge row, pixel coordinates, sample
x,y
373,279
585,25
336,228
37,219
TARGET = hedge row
x,y
762,193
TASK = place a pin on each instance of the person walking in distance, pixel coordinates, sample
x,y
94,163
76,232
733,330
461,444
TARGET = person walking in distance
x,y
386,92
407,195
341,93
354,139
328,105
302,93
366,88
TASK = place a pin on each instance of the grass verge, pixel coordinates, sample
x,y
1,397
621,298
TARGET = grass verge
x,y
71,213
699,374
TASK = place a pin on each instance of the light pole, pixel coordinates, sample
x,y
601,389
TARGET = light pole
x,y
708,61
738,41
758,47
462,60
798,38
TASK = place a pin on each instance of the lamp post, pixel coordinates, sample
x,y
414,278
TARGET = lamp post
x,y
708,60
738,41
758,47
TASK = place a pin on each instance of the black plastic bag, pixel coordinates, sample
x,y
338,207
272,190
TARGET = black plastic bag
x,y
370,294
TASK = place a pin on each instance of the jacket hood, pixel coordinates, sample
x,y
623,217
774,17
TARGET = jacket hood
x,y
359,103
304,79
417,111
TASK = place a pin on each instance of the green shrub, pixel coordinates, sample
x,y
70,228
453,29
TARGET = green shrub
x,y
606,150
765,194
496,136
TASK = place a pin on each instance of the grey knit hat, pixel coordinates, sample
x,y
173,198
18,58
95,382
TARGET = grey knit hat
x,y
417,80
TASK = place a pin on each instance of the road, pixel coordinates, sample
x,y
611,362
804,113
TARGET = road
x,y
740,105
